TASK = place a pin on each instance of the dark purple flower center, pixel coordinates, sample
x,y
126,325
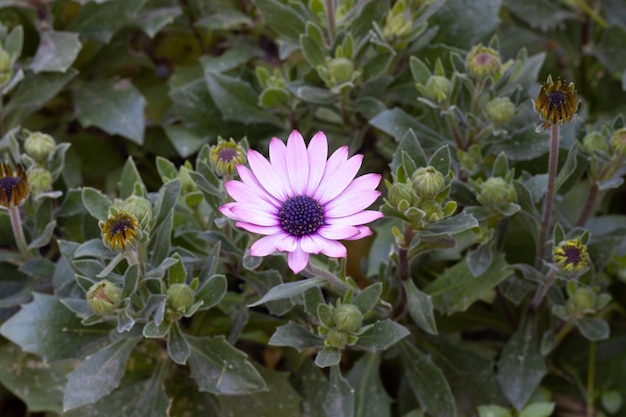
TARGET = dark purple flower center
x,y
557,98
9,184
573,255
301,215
228,154
120,226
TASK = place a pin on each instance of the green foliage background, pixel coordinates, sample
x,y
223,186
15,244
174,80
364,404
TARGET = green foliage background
x,y
138,87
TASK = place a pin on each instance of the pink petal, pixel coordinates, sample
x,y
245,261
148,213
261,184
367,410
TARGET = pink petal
x,y
310,244
287,243
252,214
278,158
267,175
331,187
364,231
297,162
334,249
338,232
351,204
364,182
297,260
262,230
318,152
265,245
226,210
338,158
244,193
359,218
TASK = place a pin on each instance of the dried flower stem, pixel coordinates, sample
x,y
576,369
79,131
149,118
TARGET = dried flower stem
x,y
18,232
549,200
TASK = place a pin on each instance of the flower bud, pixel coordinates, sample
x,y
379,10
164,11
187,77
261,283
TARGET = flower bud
x,y
612,401
433,211
437,88
496,192
104,297
595,141
341,70
483,62
39,179
180,297
40,146
6,67
500,110
335,338
137,206
120,231
428,182
187,184
225,156
400,191
571,255
347,318
585,298
618,142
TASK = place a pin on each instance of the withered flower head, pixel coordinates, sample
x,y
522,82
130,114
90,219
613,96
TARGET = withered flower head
x,y
571,256
13,188
556,103
120,231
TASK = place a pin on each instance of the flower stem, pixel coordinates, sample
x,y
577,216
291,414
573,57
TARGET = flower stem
x,y
542,290
18,232
591,371
330,17
332,279
549,200
589,203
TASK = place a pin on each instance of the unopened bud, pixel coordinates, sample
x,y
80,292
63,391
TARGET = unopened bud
x,y
585,298
483,62
341,70
595,141
39,179
187,184
347,318
138,206
6,67
500,110
495,192
39,146
225,156
437,88
335,338
400,191
618,142
104,297
180,297
428,182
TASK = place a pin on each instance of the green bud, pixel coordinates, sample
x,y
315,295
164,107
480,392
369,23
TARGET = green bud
x,y
335,338
225,156
612,401
180,297
483,62
39,180
433,211
618,142
500,110
104,297
40,146
437,88
585,298
495,192
595,141
347,318
186,183
400,191
341,70
6,67
138,206
428,182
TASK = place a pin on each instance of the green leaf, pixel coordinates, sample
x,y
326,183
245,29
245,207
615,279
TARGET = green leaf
x,y
340,397
367,299
212,291
38,384
130,177
99,374
411,146
450,226
114,106
296,336
282,19
44,237
47,328
420,307
312,384
381,335
237,100
177,345
56,52
456,289
153,20
396,122
185,141
32,93
568,168
224,18
370,396
281,400
328,357
521,367
166,200
593,328
493,411
479,259
101,20
221,369
441,160
427,382
96,203
288,290
145,398
542,409
480,20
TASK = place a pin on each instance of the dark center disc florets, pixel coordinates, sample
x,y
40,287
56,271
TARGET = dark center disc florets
x,y
301,215
120,226
573,255
9,184
227,154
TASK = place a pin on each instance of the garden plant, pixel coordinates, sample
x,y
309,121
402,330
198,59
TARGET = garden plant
x,y
317,208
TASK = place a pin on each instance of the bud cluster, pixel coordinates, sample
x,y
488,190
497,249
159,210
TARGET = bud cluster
x,y
581,301
340,324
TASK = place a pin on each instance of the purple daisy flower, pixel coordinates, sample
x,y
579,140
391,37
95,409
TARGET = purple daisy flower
x,y
302,202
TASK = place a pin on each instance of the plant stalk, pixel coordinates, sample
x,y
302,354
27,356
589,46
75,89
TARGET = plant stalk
x,y
591,374
314,271
553,162
18,232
